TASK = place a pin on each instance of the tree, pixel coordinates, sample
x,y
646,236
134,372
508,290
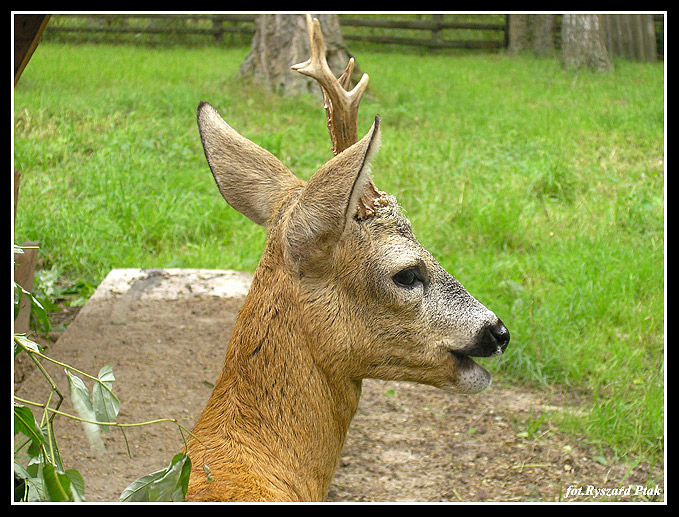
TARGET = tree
x,y
531,31
583,42
280,41
631,36
517,28
543,34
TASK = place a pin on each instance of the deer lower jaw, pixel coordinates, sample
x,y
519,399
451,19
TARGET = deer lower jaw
x,y
468,376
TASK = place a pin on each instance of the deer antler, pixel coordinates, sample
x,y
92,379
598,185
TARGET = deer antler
x,y
341,106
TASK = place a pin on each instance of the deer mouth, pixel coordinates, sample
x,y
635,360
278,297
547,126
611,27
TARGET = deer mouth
x,y
465,360
469,377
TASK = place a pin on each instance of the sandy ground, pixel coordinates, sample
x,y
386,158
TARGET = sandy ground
x,y
165,333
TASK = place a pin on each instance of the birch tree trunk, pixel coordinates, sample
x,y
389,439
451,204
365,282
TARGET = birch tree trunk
x,y
280,41
583,43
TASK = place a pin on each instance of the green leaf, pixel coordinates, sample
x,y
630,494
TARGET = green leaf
x,y
80,396
77,484
106,404
57,484
138,491
51,449
27,487
24,422
62,486
21,342
38,310
601,460
169,484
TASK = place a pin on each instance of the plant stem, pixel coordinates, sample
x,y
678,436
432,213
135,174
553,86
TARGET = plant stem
x,y
113,424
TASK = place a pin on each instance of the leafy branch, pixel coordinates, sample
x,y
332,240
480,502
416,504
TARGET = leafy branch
x,y
44,478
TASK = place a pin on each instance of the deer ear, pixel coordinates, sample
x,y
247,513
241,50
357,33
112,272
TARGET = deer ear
x,y
329,201
250,178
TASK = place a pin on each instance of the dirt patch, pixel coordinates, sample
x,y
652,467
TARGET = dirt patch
x,y
165,333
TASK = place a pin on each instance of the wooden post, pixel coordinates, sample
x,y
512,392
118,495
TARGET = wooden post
x,y
506,30
436,30
217,23
24,271
23,275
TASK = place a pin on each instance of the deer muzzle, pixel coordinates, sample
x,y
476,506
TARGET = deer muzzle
x,y
491,340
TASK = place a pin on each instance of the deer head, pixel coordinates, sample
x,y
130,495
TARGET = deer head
x,y
352,251
343,285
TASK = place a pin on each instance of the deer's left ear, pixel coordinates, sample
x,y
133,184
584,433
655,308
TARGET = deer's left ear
x,y
251,179
331,198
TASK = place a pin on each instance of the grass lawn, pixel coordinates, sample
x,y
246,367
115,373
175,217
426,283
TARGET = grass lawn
x,y
541,190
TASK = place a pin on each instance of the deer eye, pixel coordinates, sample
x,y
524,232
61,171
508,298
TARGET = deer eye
x,y
408,277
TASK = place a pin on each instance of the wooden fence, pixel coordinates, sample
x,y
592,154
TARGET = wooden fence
x,y
436,27
434,31
439,32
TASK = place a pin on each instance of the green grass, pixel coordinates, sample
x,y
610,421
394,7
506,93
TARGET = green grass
x,y
541,190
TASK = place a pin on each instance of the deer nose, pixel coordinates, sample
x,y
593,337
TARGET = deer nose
x,y
500,334
492,339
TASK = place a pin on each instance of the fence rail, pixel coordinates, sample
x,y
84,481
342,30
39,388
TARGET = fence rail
x,y
219,25
435,26
440,31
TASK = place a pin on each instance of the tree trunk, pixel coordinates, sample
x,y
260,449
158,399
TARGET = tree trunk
x,y
542,34
630,35
583,43
531,31
280,41
518,32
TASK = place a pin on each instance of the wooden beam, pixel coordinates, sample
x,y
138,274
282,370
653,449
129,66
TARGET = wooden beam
x,y
27,31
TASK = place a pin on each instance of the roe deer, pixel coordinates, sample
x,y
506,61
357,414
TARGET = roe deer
x,y
343,292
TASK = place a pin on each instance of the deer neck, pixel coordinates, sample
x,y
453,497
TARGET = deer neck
x,y
283,404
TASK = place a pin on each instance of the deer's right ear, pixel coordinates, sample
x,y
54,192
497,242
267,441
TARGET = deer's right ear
x,y
329,201
250,178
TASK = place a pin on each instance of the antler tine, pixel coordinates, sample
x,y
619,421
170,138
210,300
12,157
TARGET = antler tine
x,y
341,105
345,78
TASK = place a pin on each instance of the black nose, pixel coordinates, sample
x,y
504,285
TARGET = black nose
x,y
501,335
491,340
